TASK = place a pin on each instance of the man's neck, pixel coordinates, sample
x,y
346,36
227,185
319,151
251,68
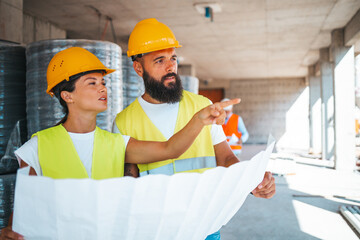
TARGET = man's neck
x,y
149,99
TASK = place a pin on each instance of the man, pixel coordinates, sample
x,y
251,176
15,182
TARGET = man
x,y
234,129
165,107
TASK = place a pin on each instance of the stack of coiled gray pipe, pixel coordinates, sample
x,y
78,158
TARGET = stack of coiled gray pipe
x,y
7,190
12,109
44,111
190,83
12,90
133,85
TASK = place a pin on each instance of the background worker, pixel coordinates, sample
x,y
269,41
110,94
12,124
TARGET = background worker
x,y
234,129
76,148
165,107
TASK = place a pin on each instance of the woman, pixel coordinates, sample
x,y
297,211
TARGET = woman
x,y
76,148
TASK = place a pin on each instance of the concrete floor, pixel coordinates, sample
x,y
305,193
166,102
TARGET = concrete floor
x,y
306,205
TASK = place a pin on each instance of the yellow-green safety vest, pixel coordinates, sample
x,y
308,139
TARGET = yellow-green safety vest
x,y
134,122
58,157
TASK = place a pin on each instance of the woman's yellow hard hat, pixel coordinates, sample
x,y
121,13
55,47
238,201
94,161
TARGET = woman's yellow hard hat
x,y
70,62
150,35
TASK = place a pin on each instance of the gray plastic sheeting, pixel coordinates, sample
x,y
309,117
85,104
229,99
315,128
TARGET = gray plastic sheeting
x,y
190,83
9,163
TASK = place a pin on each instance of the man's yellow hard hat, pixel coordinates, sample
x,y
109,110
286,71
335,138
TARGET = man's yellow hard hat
x,y
70,62
150,35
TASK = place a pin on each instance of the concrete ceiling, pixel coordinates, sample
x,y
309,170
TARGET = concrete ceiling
x,y
247,39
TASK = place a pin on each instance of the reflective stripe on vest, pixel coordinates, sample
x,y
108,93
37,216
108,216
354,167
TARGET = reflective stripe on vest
x,y
183,165
58,157
235,147
134,122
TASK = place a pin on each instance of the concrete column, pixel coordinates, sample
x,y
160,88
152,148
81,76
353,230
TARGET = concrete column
x,y
314,111
186,69
352,30
327,104
357,80
344,98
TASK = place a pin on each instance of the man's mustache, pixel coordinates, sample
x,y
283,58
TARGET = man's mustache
x,y
168,75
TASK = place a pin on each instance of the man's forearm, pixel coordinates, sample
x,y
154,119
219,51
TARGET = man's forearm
x,y
231,160
131,170
224,156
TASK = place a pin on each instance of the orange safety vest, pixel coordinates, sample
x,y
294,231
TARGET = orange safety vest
x,y
230,128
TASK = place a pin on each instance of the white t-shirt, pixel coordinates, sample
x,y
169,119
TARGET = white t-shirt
x,y
83,142
164,117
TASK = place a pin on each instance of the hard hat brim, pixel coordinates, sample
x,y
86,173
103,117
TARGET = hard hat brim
x,y
133,53
50,87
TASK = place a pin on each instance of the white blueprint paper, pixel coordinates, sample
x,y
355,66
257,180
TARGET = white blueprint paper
x,y
182,206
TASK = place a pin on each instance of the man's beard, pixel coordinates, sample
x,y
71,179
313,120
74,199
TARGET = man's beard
x,y
157,90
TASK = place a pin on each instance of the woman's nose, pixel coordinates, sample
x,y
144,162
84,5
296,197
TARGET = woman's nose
x,y
103,88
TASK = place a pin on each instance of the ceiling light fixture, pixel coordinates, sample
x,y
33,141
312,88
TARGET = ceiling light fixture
x,y
208,9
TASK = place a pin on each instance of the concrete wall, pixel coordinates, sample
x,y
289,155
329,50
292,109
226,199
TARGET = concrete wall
x,y
11,20
276,106
212,84
35,29
19,27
